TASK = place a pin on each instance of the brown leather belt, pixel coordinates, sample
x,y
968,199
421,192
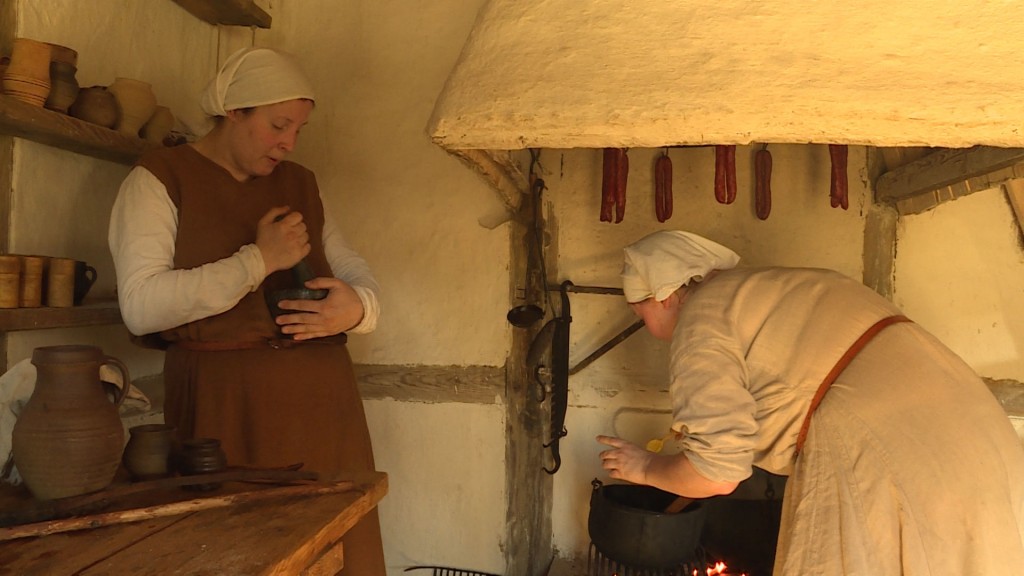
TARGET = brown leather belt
x,y
269,343
838,369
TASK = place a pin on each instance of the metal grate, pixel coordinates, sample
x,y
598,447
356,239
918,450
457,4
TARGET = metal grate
x,y
599,565
444,571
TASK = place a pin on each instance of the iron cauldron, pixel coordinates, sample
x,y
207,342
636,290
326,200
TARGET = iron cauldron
x,y
627,524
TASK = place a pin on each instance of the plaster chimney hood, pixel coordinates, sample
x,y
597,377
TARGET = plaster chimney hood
x,y
608,73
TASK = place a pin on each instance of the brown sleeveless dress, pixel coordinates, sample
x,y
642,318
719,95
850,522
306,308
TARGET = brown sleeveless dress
x,y
268,406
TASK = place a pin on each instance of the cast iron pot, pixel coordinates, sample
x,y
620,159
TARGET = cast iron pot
x,y
627,524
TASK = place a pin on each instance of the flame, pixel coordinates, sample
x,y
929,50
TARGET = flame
x,y
718,568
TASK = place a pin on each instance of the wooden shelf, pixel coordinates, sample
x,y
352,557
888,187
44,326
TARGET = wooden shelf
x,y
227,12
68,133
98,313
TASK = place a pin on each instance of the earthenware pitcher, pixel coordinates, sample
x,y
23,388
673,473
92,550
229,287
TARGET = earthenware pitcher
x,y
68,438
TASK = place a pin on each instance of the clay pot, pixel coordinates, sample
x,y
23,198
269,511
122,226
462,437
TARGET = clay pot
x,y
27,77
136,103
159,125
32,269
148,452
10,281
202,456
68,438
95,104
63,86
63,54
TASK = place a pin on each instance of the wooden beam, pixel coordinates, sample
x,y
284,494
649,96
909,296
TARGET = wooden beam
x,y
1015,193
432,384
943,168
227,12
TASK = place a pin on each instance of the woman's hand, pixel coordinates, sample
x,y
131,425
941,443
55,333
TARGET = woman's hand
x,y
282,239
625,461
339,311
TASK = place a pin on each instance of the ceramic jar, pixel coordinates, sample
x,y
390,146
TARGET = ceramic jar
x,y
136,103
159,125
148,452
63,87
27,77
68,439
10,281
202,456
32,270
60,283
95,104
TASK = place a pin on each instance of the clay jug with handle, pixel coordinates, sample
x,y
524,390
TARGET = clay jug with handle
x,y
68,439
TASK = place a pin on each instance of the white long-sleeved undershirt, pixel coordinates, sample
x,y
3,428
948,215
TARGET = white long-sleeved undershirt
x,y
153,296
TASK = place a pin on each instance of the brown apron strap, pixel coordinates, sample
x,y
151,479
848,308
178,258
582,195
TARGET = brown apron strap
x,y
274,343
838,369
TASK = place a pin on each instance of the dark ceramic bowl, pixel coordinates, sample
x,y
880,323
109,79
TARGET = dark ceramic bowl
x,y
275,296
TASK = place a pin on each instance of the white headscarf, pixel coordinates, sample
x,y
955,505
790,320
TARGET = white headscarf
x,y
659,263
255,77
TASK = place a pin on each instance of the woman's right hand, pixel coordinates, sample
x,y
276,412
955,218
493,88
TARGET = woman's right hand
x,y
282,239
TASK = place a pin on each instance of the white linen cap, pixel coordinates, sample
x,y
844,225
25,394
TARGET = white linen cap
x,y
255,77
659,263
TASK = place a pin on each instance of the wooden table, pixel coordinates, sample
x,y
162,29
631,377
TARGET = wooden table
x,y
280,533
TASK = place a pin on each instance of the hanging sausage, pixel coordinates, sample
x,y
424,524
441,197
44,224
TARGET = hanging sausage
x,y
839,192
663,187
613,184
725,173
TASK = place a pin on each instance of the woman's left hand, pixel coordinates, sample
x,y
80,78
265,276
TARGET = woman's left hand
x,y
625,461
339,311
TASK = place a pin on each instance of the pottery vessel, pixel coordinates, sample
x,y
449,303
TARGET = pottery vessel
x,y
202,456
148,452
31,292
63,86
63,54
27,77
159,125
95,104
60,283
85,277
136,103
10,281
68,438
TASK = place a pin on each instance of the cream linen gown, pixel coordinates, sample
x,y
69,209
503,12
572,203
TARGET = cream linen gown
x,y
910,466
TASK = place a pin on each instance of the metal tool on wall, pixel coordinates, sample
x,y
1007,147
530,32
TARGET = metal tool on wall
x,y
547,362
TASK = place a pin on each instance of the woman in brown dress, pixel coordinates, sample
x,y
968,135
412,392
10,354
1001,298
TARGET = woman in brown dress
x,y
200,234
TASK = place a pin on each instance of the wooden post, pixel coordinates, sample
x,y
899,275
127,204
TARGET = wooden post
x,y
529,488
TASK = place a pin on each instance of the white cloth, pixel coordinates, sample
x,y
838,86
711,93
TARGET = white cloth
x,y
16,387
143,226
659,263
910,466
255,77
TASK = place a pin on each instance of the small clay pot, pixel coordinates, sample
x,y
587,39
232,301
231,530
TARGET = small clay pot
x,y
95,104
136,103
202,456
63,54
27,77
148,452
63,86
